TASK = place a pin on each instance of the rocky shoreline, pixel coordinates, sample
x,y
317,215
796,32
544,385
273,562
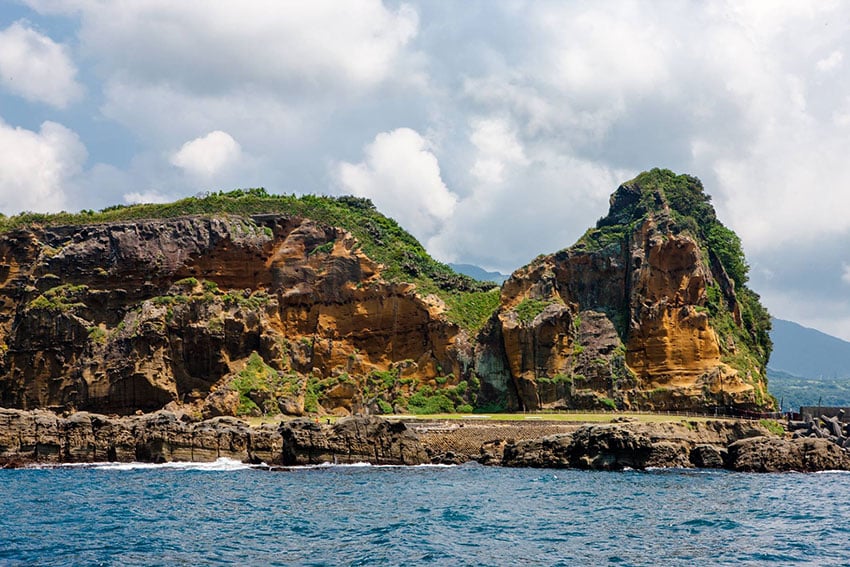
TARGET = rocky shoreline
x,y
43,438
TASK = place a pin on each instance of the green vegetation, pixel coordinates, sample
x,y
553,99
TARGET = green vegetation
x,y
325,248
97,335
528,309
387,390
426,401
470,302
259,381
471,310
795,391
61,299
773,426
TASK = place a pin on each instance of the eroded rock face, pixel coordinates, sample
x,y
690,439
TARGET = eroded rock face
x,y
42,437
137,315
718,444
133,316
771,454
624,319
351,440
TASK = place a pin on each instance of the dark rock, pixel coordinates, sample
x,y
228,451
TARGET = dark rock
x,y
351,440
552,451
610,447
775,454
492,452
707,456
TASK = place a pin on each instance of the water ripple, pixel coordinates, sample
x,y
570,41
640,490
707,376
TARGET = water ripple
x,y
468,515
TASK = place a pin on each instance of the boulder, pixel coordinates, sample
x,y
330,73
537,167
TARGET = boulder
x,y
351,440
708,456
552,451
776,454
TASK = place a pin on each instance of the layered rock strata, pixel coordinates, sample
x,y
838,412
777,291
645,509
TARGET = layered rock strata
x,y
640,314
249,314
136,315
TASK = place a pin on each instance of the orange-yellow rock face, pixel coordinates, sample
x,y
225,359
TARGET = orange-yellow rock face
x,y
626,325
672,341
291,313
93,317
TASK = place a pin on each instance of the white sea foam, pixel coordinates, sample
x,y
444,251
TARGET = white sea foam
x,y
222,464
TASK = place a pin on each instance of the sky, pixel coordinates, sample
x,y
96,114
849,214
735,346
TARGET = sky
x,y
493,131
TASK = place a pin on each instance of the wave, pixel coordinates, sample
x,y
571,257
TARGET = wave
x,y
221,464
224,464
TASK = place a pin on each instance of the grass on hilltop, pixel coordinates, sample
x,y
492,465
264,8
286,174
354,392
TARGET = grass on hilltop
x,y
470,302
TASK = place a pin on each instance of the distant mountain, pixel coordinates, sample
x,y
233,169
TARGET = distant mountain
x,y
806,352
808,367
793,391
479,273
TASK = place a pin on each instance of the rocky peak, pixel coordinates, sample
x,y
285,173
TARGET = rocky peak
x,y
649,309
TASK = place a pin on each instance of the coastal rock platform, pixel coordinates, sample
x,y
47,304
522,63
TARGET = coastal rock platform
x,y
43,438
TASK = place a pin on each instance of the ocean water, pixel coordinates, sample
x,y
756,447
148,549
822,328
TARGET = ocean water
x,y
225,513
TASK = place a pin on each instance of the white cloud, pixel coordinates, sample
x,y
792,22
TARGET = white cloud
x,y
208,155
402,177
36,68
150,196
36,167
497,147
845,276
831,62
205,46
535,117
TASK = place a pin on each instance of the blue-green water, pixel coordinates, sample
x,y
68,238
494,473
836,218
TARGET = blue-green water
x,y
225,513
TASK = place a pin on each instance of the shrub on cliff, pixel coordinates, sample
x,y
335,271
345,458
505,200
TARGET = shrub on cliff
x,y
403,258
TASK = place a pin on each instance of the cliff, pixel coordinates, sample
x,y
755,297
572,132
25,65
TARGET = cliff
x,y
649,310
247,303
230,313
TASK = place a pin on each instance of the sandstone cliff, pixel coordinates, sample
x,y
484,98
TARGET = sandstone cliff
x,y
248,303
227,314
649,310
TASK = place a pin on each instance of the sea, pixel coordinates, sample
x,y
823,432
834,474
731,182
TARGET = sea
x,y
227,513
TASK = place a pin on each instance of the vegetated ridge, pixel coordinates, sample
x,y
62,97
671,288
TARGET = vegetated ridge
x,y
808,352
648,310
250,303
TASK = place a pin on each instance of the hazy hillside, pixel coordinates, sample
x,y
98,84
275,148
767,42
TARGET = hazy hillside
x,y
793,391
806,352
479,273
808,367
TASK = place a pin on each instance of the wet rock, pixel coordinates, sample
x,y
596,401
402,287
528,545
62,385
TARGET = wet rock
x,y
351,440
708,456
552,451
